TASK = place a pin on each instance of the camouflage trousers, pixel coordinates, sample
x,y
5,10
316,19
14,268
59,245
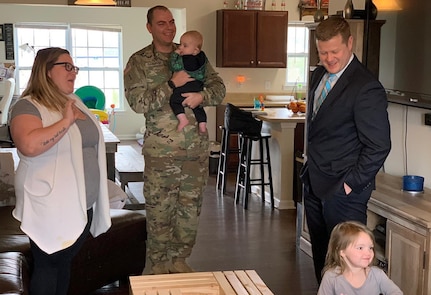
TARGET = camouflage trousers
x,y
173,191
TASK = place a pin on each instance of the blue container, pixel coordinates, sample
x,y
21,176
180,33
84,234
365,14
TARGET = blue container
x,y
413,183
256,103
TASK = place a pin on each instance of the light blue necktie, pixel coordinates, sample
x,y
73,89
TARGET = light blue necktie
x,y
325,90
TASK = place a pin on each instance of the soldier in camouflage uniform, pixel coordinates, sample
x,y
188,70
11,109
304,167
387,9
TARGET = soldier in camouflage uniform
x,y
176,163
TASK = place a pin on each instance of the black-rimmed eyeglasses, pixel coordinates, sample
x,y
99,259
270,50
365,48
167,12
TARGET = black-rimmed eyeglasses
x,y
68,66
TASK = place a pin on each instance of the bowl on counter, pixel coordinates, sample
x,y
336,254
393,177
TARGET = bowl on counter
x,y
297,106
413,183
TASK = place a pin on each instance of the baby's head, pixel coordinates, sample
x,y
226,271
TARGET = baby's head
x,y
190,43
351,244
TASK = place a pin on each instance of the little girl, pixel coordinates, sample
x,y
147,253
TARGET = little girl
x,y
348,269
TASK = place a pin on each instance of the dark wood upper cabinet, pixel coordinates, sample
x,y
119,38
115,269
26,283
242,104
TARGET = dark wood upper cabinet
x,y
249,39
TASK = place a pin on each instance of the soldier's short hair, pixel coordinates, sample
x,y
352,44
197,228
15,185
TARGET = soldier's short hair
x,y
150,13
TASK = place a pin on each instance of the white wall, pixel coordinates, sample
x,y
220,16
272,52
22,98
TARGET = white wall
x,y
411,141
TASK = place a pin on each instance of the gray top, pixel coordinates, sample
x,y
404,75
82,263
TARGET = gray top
x,y
90,137
376,283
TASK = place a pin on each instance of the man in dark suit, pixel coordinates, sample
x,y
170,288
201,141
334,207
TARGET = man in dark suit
x,y
348,137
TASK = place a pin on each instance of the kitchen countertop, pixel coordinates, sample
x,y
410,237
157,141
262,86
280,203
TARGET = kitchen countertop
x,y
246,100
280,115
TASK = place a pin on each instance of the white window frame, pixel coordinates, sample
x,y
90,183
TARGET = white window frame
x,y
298,46
90,57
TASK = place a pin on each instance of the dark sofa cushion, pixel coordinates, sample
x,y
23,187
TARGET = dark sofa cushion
x,y
12,239
14,274
119,251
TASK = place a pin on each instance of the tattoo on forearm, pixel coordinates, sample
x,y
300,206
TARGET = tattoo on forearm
x,y
52,139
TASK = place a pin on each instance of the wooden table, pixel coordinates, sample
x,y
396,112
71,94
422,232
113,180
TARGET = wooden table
x,y
14,156
281,123
129,166
238,282
111,143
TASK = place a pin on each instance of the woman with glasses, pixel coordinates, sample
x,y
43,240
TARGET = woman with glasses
x,y
61,182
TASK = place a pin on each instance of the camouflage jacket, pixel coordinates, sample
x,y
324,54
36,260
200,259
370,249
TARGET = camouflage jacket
x,y
147,91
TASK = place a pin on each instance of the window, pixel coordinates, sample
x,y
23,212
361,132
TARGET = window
x,y
297,55
96,50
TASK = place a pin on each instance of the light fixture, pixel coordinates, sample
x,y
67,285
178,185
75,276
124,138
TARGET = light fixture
x,y
27,48
95,2
387,5
371,9
240,79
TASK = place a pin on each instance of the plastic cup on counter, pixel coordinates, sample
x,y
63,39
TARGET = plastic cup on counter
x,y
256,103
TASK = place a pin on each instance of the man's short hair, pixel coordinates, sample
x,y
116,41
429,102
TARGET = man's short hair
x,y
150,13
331,27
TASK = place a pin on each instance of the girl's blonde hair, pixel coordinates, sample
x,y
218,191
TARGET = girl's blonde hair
x,y
40,86
343,235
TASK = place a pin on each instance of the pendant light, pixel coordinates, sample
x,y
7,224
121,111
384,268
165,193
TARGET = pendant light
x,y
95,2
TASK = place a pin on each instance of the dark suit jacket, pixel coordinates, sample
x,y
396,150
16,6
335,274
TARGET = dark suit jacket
x,y
349,138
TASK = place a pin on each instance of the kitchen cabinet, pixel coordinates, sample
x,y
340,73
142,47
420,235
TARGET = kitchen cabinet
x,y
357,29
249,39
406,220
406,253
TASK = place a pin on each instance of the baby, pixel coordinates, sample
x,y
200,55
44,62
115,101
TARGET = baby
x,y
190,58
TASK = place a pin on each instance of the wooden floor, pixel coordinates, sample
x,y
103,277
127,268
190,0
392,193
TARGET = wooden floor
x,y
231,238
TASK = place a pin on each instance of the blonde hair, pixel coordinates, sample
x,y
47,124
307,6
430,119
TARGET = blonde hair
x,y
343,235
196,36
40,86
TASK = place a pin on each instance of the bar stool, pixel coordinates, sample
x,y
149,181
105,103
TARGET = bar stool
x,y
244,180
225,153
235,121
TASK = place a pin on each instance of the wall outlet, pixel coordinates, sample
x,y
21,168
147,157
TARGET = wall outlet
x,y
267,85
428,119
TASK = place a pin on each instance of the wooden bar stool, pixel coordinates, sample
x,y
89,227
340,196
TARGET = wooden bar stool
x,y
246,161
225,152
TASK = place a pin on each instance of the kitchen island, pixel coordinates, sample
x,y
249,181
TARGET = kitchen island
x,y
281,123
287,130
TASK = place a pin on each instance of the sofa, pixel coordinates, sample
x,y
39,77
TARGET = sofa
x,y
112,256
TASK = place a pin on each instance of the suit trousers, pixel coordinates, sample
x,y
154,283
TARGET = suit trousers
x,y
324,214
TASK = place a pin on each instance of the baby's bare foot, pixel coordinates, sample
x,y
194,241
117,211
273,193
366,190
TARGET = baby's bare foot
x,y
182,122
203,128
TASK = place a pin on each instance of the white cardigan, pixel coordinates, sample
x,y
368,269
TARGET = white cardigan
x,y
50,189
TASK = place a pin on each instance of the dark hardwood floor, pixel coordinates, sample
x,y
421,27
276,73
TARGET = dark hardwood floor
x,y
231,238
